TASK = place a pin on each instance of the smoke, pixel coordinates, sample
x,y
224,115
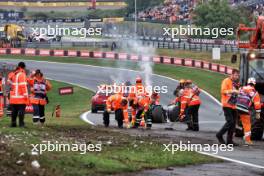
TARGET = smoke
x,y
135,47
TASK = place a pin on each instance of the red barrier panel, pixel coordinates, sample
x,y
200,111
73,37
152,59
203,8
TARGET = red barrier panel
x,y
30,52
222,68
110,55
134,57
156,59
214,67
15,51
58,52
2,50
197,63
122,56
72,53
188,62
177,61
166,60
98,54
44,52
84,53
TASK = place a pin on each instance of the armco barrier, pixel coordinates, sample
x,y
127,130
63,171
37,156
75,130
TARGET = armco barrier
x,y
205,65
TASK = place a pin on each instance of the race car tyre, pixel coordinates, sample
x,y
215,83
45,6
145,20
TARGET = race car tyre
x,y
158,115
173,113
257,129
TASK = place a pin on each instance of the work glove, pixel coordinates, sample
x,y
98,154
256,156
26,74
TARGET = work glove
x,y
126,122
182,116
258,115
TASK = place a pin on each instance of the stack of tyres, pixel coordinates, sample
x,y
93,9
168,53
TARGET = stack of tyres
x,y
173,112
158,114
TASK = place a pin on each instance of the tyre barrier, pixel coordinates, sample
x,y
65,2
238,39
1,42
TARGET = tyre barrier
x,y
188,62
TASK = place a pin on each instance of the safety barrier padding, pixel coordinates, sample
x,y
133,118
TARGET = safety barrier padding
x,y
205,65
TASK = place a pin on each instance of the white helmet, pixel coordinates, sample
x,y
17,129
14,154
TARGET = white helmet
x,y
251,81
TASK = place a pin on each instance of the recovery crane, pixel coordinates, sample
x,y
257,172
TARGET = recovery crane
x,y
252,65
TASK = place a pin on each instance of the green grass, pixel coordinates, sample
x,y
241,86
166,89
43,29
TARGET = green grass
x,y
200,77
120,156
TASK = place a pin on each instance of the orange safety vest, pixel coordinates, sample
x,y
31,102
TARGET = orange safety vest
x,y
226,93
39,88
189,98
114,102
144,102
19,90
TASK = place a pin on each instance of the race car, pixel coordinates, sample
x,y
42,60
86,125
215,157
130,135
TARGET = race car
x,y
98,101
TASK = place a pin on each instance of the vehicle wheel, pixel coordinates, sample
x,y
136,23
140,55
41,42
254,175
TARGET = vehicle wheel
x,y
158,115
257,129
94,110
173,113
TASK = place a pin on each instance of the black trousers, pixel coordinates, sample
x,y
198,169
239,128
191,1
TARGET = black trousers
x,y
119,117
230,125
18,110
147,118
192,117
39,113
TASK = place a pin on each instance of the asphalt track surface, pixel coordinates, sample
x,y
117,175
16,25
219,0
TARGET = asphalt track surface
x,y
211,118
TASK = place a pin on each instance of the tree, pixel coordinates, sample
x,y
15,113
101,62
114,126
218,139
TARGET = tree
x,y
219,14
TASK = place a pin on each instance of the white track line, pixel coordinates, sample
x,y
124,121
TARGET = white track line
x,y
84,115
232,160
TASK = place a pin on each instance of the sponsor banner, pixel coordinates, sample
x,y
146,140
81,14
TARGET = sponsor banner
x,y
15,51
177,61
30,52
84,53
58,52
98,54
2,51
222,68
134,57
146,58
206,65
156,59
72,53
167,60
197,63
113,20
122,56
66,90
11,15
214,67
110,55
229,70
188,62
44,52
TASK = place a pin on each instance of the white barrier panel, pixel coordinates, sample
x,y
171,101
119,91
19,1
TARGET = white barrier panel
x,y
222,68
2,51
30,52
98,54
85,54
197,64
214,67
177,61
134,57
229,70
166,60
146,58
206,65
188,62
72,53
44,52
15,51
110,55
58,52
122,56
156,59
